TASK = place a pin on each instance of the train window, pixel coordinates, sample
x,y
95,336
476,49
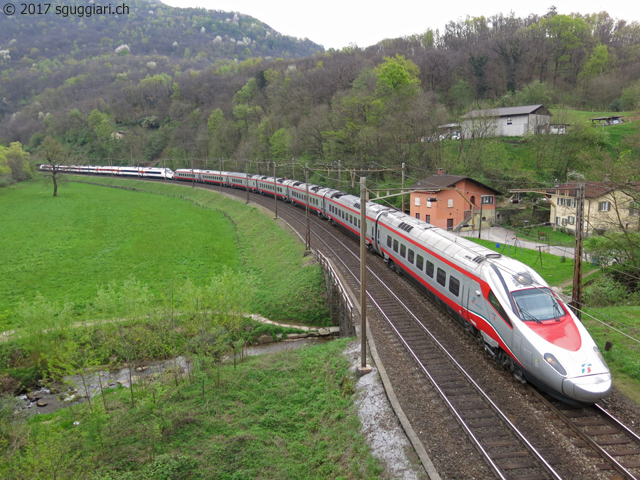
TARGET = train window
x,y
429,268
419,262
493,300
441,277
403,251
537,304
454,286
389,241
410,256
395,245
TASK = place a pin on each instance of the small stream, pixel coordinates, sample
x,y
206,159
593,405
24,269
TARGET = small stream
x,y
72,391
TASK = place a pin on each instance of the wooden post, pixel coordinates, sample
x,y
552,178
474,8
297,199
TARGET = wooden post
x,y
576,295
275,188
364,368
308,234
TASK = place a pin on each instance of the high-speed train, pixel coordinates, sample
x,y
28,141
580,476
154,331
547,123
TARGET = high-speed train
x,y
511,310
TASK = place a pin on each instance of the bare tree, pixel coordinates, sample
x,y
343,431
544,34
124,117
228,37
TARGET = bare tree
x,y
55,156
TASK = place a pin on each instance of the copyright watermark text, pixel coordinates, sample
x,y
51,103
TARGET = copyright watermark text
x,y
10,9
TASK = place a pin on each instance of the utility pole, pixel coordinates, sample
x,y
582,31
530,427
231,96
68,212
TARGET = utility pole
x,y
308,234
275,188
293,169
364,368
480,229
221,174
339,175
576,295
403,170
193,177
246,179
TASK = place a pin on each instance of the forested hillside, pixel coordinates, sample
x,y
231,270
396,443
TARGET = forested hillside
x,y
195,86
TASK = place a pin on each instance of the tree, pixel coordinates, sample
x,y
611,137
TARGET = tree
x,y
18,161
5,170
567,36
54,155
397,75
279,144
596,64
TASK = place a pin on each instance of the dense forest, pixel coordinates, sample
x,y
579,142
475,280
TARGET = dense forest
x,y
192,87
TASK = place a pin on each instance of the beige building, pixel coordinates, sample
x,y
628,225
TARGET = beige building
x,y
605,207
506,122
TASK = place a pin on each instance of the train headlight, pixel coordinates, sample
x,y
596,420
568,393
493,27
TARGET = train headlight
x,y
523,278
600,357
553,361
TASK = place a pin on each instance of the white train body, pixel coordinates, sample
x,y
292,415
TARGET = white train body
x,y
144,172
506,304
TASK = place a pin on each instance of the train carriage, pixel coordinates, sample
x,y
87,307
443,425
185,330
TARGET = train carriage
x,y
344,210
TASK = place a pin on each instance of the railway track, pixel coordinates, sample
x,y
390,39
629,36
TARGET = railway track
x,y
597,430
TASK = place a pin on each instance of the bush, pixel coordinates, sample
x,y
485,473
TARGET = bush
x,y
605,292
6,181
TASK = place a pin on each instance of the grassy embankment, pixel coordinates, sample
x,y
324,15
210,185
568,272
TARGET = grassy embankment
x,y
276,416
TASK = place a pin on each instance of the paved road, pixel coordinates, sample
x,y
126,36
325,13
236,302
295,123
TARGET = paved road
x,y
504,236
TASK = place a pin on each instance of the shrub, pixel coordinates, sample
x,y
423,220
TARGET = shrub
x,y
604,292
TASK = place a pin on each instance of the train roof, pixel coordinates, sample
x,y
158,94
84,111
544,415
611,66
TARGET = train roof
x,y
465,252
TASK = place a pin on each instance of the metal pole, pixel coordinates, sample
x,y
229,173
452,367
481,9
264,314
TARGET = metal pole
x,y
246,179
220,174
403,170
364,368
339,175
576,295
480,229
275,189
308,234
193,177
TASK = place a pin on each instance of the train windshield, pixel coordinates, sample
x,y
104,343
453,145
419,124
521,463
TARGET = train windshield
x,y
537,305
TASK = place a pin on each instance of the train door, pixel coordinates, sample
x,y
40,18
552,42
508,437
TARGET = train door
x,y
378,236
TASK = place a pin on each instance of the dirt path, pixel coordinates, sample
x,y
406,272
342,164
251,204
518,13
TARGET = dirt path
x,y
569,283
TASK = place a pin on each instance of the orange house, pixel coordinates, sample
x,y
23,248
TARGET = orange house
x,y
450,201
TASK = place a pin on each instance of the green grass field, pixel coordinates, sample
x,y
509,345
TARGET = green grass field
x,y
65,247
88,236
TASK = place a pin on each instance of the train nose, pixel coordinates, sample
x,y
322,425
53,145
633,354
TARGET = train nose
x,y
588,389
